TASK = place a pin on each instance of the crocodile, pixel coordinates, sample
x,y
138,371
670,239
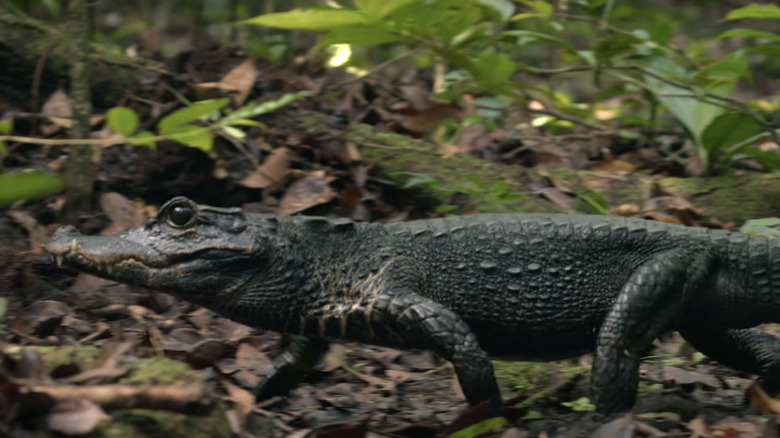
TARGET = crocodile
x,y
522,286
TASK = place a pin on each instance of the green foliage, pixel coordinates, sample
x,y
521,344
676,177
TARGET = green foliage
x,y
482,42
195,124
766,226
122,120
28,185
483,194
6,127
592,203
482,428
582,404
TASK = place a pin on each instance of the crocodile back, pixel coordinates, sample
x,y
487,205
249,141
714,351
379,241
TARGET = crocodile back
x,y
549,278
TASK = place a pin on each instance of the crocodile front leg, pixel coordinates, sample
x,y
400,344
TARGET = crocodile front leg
x,y
418,322
652,298
295,361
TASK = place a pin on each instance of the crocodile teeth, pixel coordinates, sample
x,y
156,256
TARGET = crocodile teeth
x,y
74,245
109,269
59,260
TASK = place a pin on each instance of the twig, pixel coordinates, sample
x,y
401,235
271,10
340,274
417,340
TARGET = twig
x,y
378,67
186,399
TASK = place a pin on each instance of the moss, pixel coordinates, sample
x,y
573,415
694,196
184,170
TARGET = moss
x,y
537,381
56,356
144,423
160,371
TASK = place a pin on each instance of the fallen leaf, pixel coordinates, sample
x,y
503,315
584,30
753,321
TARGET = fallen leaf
x,y
75,417
623,426
313,189
58,108
271,171
424,122
762,400
699,427
238,82
418,97
124,214
40,318
39,234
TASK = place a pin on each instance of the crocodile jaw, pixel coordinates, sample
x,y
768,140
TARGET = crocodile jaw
x,y
144,258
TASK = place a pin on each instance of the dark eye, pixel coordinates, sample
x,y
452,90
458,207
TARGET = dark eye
x,y
181,215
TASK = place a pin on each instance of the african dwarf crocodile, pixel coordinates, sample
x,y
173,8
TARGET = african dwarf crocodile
x,y
535,286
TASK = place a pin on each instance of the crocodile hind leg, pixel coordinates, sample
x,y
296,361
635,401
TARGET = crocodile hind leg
x,y
653,296
298,358
750,350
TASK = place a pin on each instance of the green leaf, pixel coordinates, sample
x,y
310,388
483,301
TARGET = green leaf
x,y
28,185
504,8
525,36
122,120
192,135
254,109
493,68
731,67
143,139
592,203
694,114
764,226
6,126
543,8
359,36
247,122
770,160
750,33
728,130
181,117
234,132
3,306
582,404
379,9
481,428
614,45
415,179
310,19
772,50
754,11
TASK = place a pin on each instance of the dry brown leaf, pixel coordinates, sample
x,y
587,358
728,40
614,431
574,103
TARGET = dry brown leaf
x,y
699,427
75,417
418,97
243,399
474,137
124,214
762,400
623,426
736,429
39,234
238,81
40,318
58,108
514,432
272,171
424,122
613,166
313,189
557,196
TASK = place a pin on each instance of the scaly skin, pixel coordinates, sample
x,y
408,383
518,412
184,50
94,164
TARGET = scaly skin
x,y
530,286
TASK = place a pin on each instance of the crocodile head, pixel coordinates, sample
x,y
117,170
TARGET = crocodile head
x,y
190,250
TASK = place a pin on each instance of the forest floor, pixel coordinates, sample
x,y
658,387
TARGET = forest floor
x,y
70,330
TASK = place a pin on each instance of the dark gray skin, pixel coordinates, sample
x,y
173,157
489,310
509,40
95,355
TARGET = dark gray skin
x,y
531,286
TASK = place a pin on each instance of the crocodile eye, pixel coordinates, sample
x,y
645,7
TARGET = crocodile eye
x,y
181,215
